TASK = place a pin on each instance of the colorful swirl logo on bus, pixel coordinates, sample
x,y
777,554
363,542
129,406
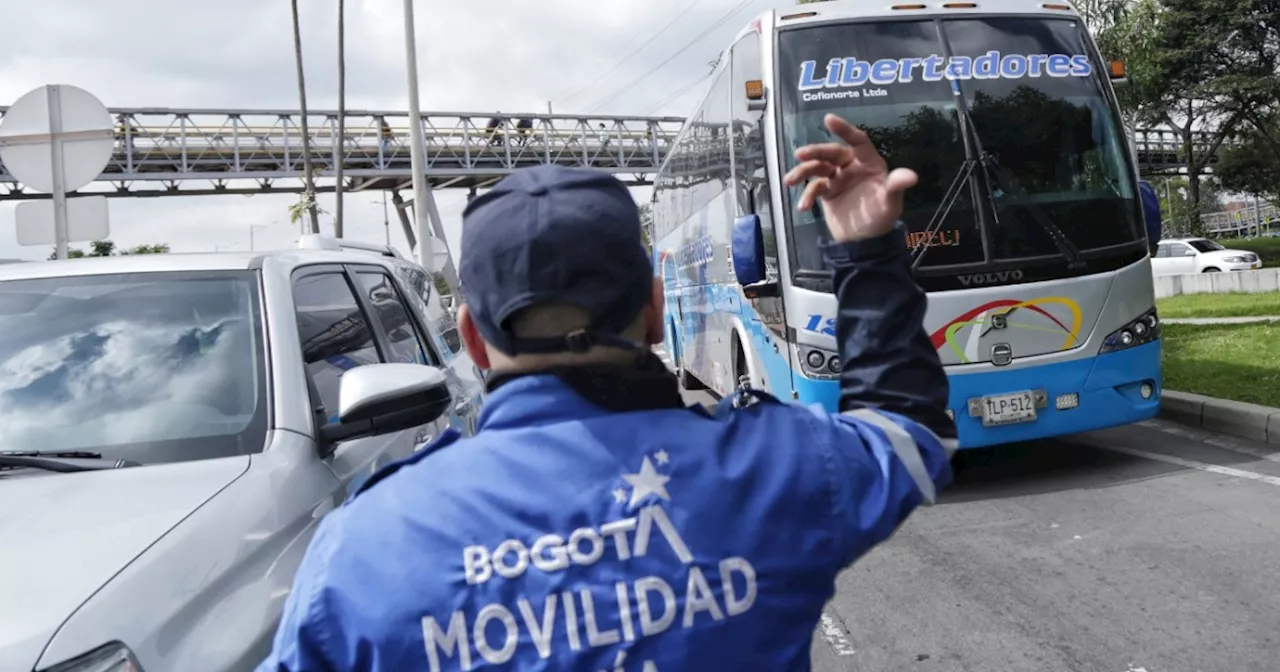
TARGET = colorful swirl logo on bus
x,y
981,315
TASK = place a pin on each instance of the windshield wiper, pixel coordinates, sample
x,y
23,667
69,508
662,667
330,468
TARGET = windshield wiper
x,y
1008,185
61,461
944,208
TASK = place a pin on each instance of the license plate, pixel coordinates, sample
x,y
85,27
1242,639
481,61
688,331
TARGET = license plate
x,y
1007,409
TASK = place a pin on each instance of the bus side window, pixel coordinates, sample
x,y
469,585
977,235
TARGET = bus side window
x,y
750,172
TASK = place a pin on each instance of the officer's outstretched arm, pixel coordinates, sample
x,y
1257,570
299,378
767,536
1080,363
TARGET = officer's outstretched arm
x,y
892,440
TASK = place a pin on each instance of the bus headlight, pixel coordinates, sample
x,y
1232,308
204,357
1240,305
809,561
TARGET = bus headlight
x,y
1144,329
819,364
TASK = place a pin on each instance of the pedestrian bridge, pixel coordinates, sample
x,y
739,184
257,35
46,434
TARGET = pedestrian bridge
x,y
162,152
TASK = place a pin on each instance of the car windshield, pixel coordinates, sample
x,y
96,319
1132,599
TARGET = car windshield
x,y
1038,109
1204,245
150,367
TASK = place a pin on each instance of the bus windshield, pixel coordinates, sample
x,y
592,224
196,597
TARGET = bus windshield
x,y
1040,124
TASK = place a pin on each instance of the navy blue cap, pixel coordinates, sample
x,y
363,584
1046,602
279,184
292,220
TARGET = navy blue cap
x,y
555,235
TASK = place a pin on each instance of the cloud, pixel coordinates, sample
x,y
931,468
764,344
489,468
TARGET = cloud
x,y
120,369
475,56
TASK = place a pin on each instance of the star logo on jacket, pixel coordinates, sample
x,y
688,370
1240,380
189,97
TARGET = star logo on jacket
x,y
647,481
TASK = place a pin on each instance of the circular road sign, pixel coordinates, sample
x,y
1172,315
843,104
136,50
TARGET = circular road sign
x,y
28,136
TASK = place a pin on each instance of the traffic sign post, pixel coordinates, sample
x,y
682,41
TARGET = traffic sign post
x,y
57,139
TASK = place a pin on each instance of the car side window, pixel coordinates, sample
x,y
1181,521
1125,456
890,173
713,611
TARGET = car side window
x,y
336,336
1162,251
389,309
1182,250
434,308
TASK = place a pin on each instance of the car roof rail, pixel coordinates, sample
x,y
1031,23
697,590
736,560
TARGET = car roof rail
x,y
315,241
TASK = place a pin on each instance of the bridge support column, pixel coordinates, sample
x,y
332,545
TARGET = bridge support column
x,y
471,195
403,213
438,242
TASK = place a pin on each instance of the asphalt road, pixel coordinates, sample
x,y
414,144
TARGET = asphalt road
x,y
1149,548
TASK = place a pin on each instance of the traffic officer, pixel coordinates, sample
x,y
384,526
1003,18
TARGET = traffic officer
x,y
596,522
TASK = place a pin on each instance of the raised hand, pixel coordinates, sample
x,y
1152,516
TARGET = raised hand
x,y
861,198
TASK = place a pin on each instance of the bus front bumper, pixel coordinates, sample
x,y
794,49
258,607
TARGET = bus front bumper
x,y
1106,391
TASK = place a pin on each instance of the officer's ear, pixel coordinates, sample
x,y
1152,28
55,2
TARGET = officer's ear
x,y
476,346
653,327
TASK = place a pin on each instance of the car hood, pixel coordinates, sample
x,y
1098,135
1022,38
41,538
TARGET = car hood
x,y
66,535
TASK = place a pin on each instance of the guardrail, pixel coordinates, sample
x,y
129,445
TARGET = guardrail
x,y
1248,282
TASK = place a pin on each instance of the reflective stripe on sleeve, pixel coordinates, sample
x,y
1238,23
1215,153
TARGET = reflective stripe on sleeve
x,y
948,445
904,447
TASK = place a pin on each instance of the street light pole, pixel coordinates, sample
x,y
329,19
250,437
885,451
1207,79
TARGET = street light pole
x,y
420,196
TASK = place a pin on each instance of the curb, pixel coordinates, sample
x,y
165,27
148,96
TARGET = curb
x,y
1237,418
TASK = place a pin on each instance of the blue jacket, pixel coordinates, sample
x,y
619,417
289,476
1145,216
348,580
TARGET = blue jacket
x,y
596,523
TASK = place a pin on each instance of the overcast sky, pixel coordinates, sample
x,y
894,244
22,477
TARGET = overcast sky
x,y
474,55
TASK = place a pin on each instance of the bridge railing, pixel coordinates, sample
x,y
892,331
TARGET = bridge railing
x,y
267,144
1161,148
1244,219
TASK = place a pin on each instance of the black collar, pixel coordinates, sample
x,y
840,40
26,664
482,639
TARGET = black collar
x,y
645,384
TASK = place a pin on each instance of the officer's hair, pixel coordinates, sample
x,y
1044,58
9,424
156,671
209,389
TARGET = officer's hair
x,y
549,320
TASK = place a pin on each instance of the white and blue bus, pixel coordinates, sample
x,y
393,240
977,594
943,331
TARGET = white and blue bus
x,y
1026,228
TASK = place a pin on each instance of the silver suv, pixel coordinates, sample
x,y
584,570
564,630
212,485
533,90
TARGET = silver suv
x,y
173,427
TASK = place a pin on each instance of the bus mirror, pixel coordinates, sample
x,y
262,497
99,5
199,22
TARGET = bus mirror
x,y
748,250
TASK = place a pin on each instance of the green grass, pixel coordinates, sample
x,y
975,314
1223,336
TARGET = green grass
x,y
1235,304
1267,249
1228,361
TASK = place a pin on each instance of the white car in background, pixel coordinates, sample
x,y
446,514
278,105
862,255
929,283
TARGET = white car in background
x,y
1177,256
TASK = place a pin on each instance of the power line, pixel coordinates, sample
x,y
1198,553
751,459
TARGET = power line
x,y
656,34
612,57
683,90
728,15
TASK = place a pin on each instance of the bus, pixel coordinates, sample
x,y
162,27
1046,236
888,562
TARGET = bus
x,y
1026,228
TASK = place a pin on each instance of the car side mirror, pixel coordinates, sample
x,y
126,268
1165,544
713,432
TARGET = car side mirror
x,y
383,398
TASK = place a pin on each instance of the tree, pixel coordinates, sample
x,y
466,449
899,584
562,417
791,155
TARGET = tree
x,y
1100,15
1180,216
342,119
159,248
107,248
308,201
102,248
1252,167
442,285
1199,67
